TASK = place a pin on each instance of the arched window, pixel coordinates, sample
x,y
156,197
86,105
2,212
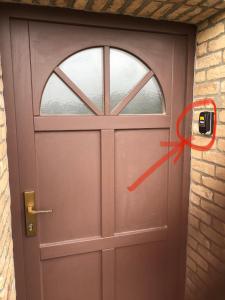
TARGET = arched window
x,y
76,87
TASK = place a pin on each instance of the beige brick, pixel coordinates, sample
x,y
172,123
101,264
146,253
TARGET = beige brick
x,y
202,191
190,288
98,5
218,252
209,60
223,55
1,101
198,236
198,259
216,73
223,86
218,17
195,128
195,199
203,107
212,235
44,2
58,3
200,214
191,13
204,276
221,5
200,76
115,6
213,209
219,200
210,33
2,150
220,172
202,141
219,226
210,3
80,4
3,130
196,154
214,184
201,49
203,15
150,8
203,25
215,157
211,259
1,86
203,167
162,11
7,288
217,44
1,168
222,117
221,144
192,243
191,264
220,101
193,2
193,221
195,115
206,88
133,6
2,118
178,12
196,176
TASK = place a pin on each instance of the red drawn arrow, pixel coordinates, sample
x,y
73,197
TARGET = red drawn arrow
x,y
178,147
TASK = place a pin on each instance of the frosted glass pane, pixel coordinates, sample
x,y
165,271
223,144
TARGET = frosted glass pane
x,y
85,69
58,99
148,101
125,72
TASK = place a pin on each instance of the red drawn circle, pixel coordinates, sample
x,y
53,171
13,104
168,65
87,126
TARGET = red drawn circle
x,y
188,108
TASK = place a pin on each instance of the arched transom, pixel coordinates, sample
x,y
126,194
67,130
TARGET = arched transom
x,y
102,81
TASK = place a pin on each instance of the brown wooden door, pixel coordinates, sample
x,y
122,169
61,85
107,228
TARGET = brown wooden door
x,y
82,141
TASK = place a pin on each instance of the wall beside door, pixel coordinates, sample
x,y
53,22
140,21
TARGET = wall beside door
x,y
206,238
7,286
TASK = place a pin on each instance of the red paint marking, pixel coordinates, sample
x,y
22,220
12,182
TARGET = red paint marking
x,y
178,147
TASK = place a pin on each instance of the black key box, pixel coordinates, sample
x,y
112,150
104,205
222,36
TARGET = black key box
x,y
206,122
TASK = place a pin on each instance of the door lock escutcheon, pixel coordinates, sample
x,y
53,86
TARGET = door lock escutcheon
x,y
31,213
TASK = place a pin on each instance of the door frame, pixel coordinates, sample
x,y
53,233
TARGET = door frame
x,y
68,16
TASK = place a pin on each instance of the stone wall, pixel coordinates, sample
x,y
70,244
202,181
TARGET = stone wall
x,y
206,238
7,286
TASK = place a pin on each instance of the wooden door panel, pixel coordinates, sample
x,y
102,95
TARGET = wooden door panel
x,y
101,242
68,176
141,272
146,207
73,277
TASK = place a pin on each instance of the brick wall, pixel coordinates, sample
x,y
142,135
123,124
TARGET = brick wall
x,y
189,11
7,289
206,238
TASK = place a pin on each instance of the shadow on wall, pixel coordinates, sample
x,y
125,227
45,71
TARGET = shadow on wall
x,y
217,290
214,290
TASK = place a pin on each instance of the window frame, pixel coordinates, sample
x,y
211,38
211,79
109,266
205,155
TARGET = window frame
x,y
122,104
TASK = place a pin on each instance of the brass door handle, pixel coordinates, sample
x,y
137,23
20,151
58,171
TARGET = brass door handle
x,y
32,211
